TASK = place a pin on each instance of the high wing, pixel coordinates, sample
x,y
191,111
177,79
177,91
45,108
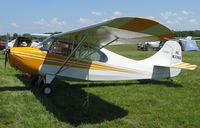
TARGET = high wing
x,y
119,30
125,29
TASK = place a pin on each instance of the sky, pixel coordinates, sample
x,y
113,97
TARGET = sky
x,y
40,16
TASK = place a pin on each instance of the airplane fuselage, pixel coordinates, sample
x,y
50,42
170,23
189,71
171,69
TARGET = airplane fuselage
x,y
37,62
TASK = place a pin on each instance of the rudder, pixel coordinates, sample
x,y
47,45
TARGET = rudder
x,y
168,55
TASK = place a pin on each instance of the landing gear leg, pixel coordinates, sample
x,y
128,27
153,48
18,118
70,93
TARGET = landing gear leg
x,y
40,82
47,86
43,83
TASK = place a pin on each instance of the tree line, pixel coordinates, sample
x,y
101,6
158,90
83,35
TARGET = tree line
x,y
15,35
195,33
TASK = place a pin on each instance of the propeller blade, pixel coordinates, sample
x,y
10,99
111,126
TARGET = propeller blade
x,y
6,58
7,41
6,51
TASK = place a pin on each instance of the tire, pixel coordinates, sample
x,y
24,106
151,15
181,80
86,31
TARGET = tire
x,y
47,90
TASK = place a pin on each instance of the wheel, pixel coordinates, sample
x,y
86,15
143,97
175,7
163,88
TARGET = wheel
x,y
47,90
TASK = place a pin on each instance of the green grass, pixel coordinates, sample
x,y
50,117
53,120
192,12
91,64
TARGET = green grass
x,y
145,104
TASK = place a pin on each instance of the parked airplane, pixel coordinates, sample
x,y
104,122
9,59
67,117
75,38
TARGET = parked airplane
x,y
32,41
156,45
80,54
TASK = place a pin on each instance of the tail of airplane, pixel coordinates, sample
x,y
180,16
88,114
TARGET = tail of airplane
x,y
168,59
170,55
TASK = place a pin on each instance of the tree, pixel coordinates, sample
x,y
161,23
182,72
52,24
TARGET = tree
x,y
27,35
15,35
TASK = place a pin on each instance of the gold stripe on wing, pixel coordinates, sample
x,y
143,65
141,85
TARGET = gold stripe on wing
x,y
138,24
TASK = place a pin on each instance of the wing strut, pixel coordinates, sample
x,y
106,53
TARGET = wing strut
x,y
72,53
110,42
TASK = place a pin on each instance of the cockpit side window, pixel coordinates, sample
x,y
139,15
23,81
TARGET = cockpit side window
x,y
61,48
66,48
90,54
46,44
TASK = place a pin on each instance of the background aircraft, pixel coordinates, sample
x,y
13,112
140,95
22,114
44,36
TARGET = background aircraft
x,y
188,44
32,41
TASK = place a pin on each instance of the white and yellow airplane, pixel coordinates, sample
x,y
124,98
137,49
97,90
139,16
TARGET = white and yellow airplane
x,y
80,54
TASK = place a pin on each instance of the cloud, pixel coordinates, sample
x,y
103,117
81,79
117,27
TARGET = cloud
x,y
172,22
57,22
167,15
183,20
173,17
117,14
97,13
104,15
186,12
14,25
194,21
85,21
54,22
42,21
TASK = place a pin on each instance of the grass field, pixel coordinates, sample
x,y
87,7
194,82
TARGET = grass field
x,y
159,103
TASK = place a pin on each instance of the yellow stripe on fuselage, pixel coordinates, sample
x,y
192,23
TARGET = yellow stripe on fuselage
x,y
37,58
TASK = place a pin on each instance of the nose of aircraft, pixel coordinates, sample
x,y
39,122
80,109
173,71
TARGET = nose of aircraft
x,y
15,60
12,57
21,59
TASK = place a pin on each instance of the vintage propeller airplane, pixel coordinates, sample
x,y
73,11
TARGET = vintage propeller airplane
x,y
80,54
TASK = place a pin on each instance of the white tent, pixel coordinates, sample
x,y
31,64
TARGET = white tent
x,y
188,44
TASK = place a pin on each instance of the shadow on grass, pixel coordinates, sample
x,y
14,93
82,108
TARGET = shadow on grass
x,y
14,88
162,82
168,83
100,84
2,58
72,104
75,105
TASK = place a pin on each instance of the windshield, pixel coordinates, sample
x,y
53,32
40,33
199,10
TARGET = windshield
x,y
46,44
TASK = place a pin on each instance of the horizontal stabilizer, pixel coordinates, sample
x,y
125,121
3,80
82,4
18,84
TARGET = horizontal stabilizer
x,y
181,65
184,65
169,56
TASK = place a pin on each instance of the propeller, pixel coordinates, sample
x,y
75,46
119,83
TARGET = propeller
x,y
7,51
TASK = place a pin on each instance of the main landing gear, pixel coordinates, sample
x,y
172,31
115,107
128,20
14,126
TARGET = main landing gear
x,y
43,83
